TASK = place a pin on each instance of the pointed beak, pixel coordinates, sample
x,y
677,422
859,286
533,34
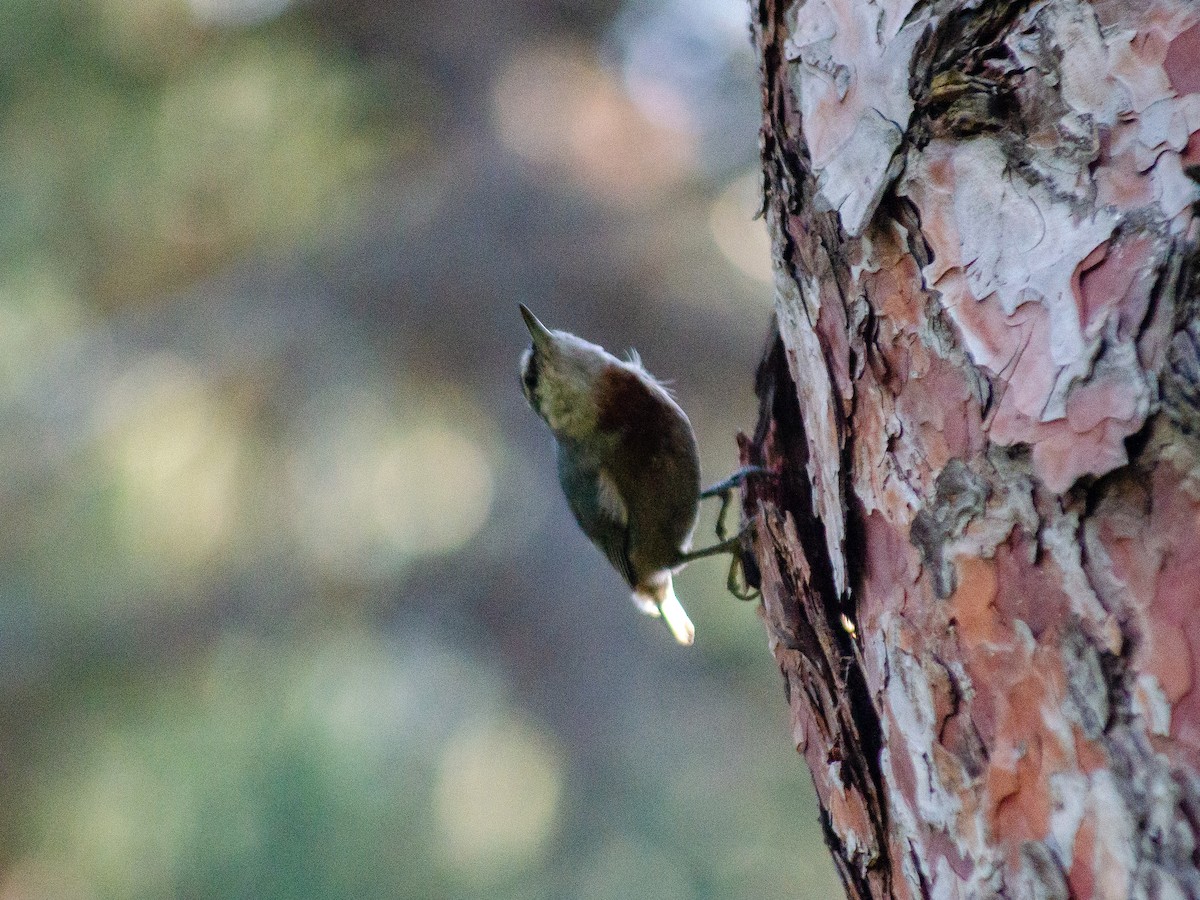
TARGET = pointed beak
x,y
541,335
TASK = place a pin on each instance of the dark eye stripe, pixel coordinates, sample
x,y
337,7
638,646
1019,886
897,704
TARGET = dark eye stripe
x,y
530,376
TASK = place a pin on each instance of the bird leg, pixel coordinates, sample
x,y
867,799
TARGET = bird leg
x,y
736,581
729,545
724,490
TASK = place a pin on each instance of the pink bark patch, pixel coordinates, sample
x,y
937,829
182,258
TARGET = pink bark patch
x,y
1000,607
892,563
1169,658
1182,61
1032,593
943,407
941,846
895,289
1107,285
849,815
1174,614
903,776
1021,794
1105,396
1035,327
1064,455
1122,183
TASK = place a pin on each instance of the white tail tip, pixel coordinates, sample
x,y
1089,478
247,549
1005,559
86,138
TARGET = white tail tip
x,y
677,620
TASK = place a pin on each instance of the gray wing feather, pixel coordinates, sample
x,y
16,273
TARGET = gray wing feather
x,y
598,508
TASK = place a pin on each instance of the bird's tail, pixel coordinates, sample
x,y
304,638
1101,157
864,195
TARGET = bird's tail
x,y
660,599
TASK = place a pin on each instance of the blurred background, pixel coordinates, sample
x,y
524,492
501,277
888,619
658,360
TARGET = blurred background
x,y
290,602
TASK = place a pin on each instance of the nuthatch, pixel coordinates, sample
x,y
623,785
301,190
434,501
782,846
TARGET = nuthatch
x,y
627,461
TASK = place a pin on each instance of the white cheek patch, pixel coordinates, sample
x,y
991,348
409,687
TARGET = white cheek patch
x,y
609,498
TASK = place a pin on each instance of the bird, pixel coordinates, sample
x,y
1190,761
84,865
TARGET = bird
x,y
627,463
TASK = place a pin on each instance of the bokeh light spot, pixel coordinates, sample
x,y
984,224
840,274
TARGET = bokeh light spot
x,y
555,106
374,487
497,797
176,455
741,238
433,489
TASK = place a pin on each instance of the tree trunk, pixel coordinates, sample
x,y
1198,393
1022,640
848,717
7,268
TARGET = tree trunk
x,y
980,555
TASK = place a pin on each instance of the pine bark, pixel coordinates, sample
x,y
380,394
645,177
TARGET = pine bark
x,y
979,552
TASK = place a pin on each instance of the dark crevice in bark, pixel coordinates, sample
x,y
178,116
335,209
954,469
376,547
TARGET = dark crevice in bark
x,y
840,700
905,212
1181,376
1137,442
866,715
856,884
1115,668
782,427
956,86
962,41
854,729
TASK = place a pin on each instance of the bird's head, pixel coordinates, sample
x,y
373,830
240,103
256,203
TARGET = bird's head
x,y
559,374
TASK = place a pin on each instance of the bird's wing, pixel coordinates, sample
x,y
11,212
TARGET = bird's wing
x,y
599,509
